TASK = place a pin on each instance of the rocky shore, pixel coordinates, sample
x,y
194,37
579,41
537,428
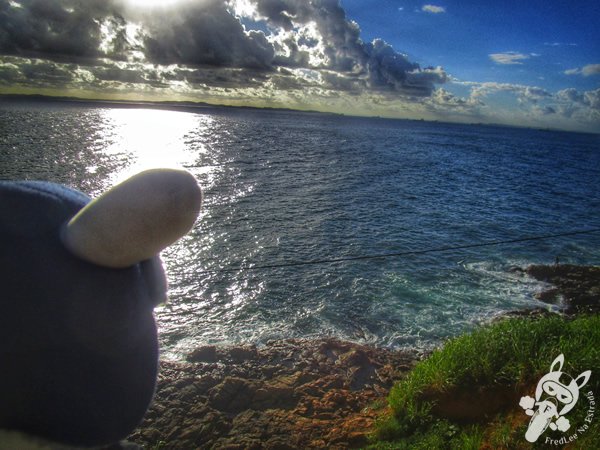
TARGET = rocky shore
x,y
297,394
288,394
575,289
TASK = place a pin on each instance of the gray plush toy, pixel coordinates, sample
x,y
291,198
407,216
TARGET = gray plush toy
x,y
79,281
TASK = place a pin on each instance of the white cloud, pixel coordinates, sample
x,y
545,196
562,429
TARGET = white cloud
x,y
509,57
434,9
591,69
535,106
559,44
586,71
524,94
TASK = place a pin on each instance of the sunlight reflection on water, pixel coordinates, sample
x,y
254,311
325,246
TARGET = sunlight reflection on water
x,y
149,139
143,139
285,187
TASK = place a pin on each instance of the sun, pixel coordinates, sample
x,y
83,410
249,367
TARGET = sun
x,y
152,4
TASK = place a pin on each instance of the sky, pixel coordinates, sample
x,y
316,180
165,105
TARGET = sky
x,y
533,63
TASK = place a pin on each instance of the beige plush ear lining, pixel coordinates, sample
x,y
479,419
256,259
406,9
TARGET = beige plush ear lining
x,y
136,219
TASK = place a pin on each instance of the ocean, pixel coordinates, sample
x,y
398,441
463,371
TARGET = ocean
x,y
288,192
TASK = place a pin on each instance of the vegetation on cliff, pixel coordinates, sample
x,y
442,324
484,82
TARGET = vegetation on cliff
x,y
466,395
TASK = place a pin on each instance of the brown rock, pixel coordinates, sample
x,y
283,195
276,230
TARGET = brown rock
x,y
206,353
289,394
241,353
578,285
233,394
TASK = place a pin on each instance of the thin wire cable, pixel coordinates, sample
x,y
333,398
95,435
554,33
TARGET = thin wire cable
x,y
397,254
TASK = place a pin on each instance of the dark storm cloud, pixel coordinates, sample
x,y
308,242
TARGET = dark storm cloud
x,y
205,33
377,63
196,33
289,54
42,74
52,27
390,69
304,35
123,74
10,73
47,73
340,37
219,77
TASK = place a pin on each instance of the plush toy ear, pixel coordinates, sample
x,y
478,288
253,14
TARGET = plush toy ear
x,y
583,378
560,360
136,219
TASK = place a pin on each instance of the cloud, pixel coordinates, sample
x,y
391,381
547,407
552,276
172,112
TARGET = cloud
x,y
320,33
52,27
210,39
33,72
433,9
590,99
559,44
445,103
205,33
508,57
292,53
545,110
591,69
586,71
583,107
524,94
567,108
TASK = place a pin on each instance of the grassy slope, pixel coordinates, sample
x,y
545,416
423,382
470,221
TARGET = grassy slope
x,y
466,395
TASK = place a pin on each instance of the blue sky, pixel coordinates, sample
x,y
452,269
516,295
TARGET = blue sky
x,y
554,36
533,63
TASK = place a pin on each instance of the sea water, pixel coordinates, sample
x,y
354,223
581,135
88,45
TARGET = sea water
x,y
287,188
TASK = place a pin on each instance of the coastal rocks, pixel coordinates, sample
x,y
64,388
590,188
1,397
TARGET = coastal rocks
x,y
206,353
288,394
576,288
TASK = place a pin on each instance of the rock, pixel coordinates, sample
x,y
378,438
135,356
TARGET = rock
x,y
579,286
274,396
288,394
233,394
548,296
206,353
308,394
241,353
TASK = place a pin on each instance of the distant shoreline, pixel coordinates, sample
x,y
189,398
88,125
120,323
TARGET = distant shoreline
x,y
189,106
169,105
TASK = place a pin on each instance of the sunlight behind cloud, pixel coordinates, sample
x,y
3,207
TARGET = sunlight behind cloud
x,y
152,3
243,8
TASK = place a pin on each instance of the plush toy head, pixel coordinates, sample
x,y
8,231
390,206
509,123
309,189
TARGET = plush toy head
x,y
78,343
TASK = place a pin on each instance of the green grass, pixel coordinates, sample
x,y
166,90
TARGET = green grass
x,y
511,355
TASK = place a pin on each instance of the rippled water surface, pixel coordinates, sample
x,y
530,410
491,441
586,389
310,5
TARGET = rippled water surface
x,y
285,187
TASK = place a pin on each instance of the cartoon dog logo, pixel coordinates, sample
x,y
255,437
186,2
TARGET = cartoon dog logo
x,y
555,390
